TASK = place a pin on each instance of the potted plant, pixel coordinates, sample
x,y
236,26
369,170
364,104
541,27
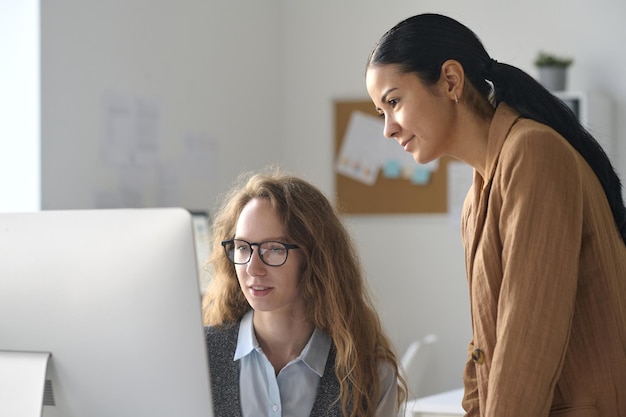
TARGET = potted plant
x,y
552,70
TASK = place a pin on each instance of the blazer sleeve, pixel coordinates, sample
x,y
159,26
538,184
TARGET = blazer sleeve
x,y
541,231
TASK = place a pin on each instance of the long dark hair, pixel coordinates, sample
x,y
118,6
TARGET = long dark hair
x,y
422,43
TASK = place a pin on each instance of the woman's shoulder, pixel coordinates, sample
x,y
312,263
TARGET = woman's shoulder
x,y
532,130
221,328
219,334
221,341
531,140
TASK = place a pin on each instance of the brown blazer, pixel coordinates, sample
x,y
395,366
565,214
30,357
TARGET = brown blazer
x,y
546,268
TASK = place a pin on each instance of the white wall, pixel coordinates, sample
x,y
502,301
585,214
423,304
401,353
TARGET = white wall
x,y
261,78
206,68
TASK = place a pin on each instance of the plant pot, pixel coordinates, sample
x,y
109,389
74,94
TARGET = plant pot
x,y
553,78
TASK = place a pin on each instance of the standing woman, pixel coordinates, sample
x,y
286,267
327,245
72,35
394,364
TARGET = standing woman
x,y
543,224
291,331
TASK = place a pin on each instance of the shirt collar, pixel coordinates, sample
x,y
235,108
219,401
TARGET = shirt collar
x,y
314,354
246,341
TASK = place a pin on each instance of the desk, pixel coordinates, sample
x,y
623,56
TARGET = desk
x,y
445,404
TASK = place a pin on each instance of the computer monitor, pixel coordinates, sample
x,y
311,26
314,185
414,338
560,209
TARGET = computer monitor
x,y
113,296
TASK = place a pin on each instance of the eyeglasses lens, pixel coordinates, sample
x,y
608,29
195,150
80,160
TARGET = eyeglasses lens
x,y
272,253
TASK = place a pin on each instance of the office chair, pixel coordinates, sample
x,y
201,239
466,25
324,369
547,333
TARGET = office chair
x,y
414,364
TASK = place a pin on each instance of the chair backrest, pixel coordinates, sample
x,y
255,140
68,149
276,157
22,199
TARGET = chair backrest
x,y
415,361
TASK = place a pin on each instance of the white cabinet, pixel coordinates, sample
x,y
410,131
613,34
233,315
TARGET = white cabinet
x,y
595,113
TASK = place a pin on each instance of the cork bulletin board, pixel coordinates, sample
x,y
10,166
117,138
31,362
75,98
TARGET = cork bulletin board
x,y
386,195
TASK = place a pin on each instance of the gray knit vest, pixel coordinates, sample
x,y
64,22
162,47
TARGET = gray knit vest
x,y
221,344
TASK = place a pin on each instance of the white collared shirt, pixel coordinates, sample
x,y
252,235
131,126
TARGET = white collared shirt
x,y
292,392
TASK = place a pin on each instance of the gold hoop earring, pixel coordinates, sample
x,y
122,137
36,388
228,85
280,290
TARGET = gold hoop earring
x,y
456,99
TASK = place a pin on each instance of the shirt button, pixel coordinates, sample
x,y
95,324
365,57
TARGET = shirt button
x,y
275,407
478,356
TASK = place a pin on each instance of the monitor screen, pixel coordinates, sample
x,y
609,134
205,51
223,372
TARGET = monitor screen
x,y
113,295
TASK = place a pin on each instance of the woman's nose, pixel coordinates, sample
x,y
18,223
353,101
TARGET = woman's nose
x,y
255,263
391,127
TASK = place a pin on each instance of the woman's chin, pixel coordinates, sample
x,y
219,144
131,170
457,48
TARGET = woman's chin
x,y
421,159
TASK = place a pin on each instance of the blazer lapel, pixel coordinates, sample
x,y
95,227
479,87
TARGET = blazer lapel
x,y
503,120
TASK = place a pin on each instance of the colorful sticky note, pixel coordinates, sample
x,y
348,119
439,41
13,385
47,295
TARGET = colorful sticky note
x,y
392,169
421,175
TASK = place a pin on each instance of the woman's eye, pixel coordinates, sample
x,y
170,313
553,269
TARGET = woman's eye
x,y
393,102
275,249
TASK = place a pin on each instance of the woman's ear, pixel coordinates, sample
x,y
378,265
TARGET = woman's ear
x,y
452,79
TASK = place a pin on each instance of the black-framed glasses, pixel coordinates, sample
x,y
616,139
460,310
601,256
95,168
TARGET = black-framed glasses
x,y
271,252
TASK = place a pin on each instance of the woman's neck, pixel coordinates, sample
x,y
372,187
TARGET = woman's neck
x,y
282,337
472,139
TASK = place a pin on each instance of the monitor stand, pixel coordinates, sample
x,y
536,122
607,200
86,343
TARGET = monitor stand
x,y
22,381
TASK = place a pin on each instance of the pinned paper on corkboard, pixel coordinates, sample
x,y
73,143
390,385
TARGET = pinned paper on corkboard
x,y
373,175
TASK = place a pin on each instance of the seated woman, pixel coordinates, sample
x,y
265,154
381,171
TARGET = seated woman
x,y
290,327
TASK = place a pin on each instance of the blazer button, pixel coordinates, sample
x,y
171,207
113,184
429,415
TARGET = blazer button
x,y
478,356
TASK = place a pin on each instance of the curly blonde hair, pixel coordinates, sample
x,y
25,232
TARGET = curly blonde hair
x,y
332,283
